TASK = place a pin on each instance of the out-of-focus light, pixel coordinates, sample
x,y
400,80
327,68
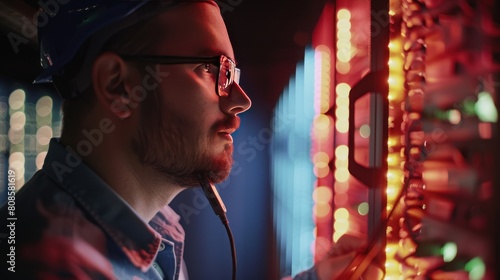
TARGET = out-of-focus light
x,y
322,70
16,136
393,160
344,55
43,135
342,126
343,67
343,14
342,152
341,214
391,266
44,106
396,95
476,268
342,89
321,164
320,157
454,116
322,194
449,251
341,163
341,226
342,112
391,249
322,209
16,99
364,131
392,193
342,101
344,44
363,208
321,172
392,141
343,35
17,120
394,176
395,46
342,174
16,161
322,49
485,108
321,122
320,134
40,158
344,24
395,82
395,63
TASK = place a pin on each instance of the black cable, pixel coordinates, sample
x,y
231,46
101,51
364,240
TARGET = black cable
x,y
220,210
225,222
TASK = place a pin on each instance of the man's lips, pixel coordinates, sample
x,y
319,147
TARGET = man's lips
x,y
228,130
226,134
227,127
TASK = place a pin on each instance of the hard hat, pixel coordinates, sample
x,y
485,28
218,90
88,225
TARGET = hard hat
x,y
64,26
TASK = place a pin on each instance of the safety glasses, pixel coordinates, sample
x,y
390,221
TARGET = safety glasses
x,y
226,76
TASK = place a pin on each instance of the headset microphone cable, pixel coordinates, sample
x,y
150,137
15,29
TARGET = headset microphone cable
x,y
220,210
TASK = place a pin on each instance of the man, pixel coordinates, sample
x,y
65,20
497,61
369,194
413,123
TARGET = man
x,y
151,100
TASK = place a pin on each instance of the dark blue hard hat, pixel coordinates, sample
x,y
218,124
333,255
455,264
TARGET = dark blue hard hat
x,y
65,25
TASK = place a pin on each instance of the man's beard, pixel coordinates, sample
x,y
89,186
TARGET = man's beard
x,y
182,158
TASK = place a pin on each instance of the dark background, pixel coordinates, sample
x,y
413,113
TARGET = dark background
x,y
269,38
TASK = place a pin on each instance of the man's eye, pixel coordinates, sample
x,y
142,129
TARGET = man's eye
x,y
210,68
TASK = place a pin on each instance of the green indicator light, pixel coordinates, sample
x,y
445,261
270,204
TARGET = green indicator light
x,y
363,208
364,131
469,107
449,251
485,108
476,268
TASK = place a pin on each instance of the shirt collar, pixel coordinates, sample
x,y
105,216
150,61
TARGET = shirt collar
x,y
136,238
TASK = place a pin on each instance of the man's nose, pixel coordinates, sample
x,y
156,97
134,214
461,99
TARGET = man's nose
x,y
236,102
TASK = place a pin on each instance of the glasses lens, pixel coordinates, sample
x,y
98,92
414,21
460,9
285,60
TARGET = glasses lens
x,y
237,73
227,75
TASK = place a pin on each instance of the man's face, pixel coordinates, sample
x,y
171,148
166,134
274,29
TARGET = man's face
x,y
185,127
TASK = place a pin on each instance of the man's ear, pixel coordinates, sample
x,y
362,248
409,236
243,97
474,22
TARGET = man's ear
x,y
111,78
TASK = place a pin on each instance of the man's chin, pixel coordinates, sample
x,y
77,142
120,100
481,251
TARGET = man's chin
x,y
220,170
214,168
219,176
